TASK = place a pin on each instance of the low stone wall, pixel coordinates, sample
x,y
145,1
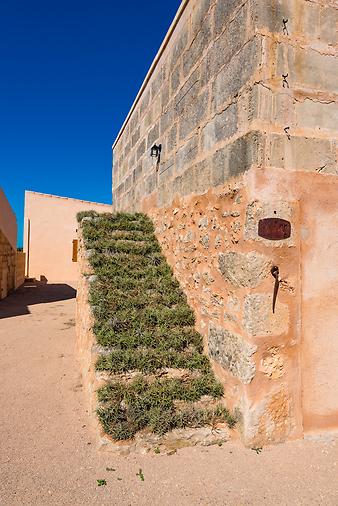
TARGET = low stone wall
x,y
20,269
87,349
7,266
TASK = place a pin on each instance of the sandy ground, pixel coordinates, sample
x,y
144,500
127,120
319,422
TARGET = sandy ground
x,y
48,454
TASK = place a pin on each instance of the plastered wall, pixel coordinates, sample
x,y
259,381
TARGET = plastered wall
x,y
243,99
49,231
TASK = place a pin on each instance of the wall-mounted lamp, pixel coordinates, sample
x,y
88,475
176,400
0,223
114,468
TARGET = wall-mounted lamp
x,y
155,152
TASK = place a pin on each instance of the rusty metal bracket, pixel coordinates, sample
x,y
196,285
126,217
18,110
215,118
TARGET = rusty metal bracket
x,y
275,274
287,133
285,28
285,81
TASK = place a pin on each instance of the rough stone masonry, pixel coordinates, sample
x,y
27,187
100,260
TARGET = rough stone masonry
x,y
242,97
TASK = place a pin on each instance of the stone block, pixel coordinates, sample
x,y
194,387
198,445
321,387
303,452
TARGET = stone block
x,y
223,126
187,154
233,353
200,11
175,80
137,173
165,194
178,48
156,81
134,120
166,171
272,208
196,179
188,93
167,119
135,137
259,320
193,117
269,420
237,73
171,140
308,68
303,154
223,12
141,150
271,17
198,46
153,136
244,269
144,103
317,115
220,166
230,42
245,152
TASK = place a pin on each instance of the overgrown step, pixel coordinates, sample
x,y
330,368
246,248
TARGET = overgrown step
x,y
143,324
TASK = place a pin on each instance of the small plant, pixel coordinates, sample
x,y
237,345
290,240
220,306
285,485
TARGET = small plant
x,y
140,475
110,469
157,450
101,483
257,450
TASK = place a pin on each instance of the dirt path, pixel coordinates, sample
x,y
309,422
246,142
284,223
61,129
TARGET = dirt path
x,y
48,455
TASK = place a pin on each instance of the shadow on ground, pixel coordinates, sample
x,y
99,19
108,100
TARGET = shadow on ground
x,y
32,293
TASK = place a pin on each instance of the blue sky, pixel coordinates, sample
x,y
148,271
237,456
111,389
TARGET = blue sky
x,y
70,71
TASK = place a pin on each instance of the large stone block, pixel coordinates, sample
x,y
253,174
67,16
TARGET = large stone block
x,y
259,320
193,116
178,48
308,68
244,269
230,42
153,136
187,154
221,127
245,152
198,46
223,13
317,115
220,166
234,76
196,179
187,95
150,184
303,154
141,149
233,353
269,420
200,11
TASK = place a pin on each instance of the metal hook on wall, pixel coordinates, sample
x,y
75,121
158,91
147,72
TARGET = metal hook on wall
x,y
275,274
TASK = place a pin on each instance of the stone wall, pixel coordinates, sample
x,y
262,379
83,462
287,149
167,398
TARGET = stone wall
x,y
243,98
7,266
8,235
20,268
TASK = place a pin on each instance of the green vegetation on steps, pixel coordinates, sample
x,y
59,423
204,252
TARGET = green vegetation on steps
x,y
144,325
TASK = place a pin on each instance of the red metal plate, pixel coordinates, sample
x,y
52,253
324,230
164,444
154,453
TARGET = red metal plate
x,y
274,229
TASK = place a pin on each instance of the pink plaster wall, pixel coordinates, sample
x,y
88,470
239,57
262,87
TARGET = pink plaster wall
x,y
7,220
318,316
50,223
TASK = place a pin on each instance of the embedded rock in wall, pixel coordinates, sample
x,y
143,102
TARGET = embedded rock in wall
x,y
259,320
233,353
244,269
